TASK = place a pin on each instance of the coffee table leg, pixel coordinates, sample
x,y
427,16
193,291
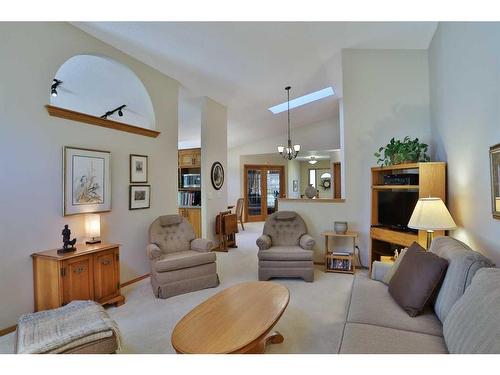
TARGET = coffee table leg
x,y
274,337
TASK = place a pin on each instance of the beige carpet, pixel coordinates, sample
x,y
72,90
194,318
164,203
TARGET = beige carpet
x,y
312,322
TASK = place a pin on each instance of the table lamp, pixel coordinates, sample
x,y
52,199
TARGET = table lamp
x,y
93,228
431,214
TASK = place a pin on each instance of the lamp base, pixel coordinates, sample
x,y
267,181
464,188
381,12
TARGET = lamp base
x,y
92,241
430,236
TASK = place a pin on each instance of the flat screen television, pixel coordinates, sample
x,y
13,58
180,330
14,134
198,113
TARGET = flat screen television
x,y
395,208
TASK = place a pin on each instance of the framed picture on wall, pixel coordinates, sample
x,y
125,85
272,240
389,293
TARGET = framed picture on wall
x,y
495,180
139,197
86,181
138,169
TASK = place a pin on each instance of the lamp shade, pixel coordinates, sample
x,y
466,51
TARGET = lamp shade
x,y
431,214
93,225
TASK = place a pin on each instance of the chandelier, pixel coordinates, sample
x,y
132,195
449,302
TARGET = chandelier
x,y
289,152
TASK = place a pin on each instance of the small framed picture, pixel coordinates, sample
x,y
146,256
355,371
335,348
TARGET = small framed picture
x,y
139,197
295,186
138,169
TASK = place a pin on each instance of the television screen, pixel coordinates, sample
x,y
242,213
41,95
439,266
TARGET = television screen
x,y
395,208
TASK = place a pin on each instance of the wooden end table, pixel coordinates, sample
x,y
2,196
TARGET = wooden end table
x,y
331,256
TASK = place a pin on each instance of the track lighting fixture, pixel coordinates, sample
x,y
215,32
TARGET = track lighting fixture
x,y
53,88
118,109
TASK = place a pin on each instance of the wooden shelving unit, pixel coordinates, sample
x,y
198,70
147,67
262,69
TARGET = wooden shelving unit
x,y
331,255
432,183
190,163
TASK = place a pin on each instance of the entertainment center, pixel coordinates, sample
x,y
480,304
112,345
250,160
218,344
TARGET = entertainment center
x,y
393,204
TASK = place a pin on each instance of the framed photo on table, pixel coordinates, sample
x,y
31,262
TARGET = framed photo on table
x,y
138,169
139,197
86,181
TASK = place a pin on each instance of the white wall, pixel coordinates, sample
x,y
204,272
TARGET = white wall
x,y
31,144
293,167
464,64
213,148
386,94
95,84
324,135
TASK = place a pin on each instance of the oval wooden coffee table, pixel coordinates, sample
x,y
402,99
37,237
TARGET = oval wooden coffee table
x,y
239,319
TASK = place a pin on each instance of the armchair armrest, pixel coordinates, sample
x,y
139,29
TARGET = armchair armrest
x,y
379,269
306,242
264,242
153,251
201,245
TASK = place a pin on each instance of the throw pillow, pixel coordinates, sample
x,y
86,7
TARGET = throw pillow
x,y
391,271
417,277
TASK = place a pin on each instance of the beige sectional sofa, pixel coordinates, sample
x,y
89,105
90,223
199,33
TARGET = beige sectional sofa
x,y
377,324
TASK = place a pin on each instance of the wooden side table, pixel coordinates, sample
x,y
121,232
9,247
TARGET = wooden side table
x,y
340,262
91,272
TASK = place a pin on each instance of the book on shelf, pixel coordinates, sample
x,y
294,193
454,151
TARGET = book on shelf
x,y
189,198
340,264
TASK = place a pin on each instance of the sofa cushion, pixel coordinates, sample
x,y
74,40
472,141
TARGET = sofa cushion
x,y
473,323
285,215
462,266
168,220
370,339
419,274
284,232
285,253
182,259
371,303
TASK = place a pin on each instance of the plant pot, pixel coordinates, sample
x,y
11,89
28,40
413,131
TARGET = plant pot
x,y
340,227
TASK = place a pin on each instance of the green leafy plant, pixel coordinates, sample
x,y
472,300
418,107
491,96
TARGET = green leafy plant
x,y
406,151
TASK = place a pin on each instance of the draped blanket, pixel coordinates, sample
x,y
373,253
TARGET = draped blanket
x,y
64,328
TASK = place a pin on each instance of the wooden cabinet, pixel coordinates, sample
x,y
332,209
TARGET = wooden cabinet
x,y
92,272
193,215
190,157
431,183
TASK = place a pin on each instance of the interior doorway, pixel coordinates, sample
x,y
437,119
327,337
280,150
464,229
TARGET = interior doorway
x,y
264,184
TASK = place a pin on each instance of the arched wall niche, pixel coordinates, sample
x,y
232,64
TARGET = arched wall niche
x,y
93,85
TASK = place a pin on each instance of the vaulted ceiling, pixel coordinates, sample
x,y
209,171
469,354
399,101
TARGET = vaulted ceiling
x,y
246,65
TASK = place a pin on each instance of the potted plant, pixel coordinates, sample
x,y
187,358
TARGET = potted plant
x,y
401,152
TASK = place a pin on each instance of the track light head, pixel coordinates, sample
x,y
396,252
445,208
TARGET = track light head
x,y
53,87
120,113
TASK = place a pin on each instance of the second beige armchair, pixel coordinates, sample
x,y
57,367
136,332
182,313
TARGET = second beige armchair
x,y
285,248
179,262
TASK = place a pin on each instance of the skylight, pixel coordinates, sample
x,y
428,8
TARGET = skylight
x,y
305,99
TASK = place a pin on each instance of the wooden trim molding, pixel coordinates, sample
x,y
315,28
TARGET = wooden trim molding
x,y
317,200
6,331
93,120
135,280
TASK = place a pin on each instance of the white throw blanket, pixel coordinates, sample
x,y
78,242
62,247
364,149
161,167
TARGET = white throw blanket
x,y
58,330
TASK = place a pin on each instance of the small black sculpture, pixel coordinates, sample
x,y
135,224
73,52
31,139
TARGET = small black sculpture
x,y
68,245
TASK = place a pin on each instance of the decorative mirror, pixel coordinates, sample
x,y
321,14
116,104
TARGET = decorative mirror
x,y
495,180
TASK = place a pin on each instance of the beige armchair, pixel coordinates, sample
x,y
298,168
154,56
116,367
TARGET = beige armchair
x,y
179,262
285,248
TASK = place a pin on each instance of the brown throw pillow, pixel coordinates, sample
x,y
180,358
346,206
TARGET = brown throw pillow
x,y
416,279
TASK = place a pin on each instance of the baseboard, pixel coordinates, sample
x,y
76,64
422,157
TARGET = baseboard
x,y
135,280
7,330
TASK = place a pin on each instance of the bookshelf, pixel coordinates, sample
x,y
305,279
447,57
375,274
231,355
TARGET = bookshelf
x,y
432,182
189,187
